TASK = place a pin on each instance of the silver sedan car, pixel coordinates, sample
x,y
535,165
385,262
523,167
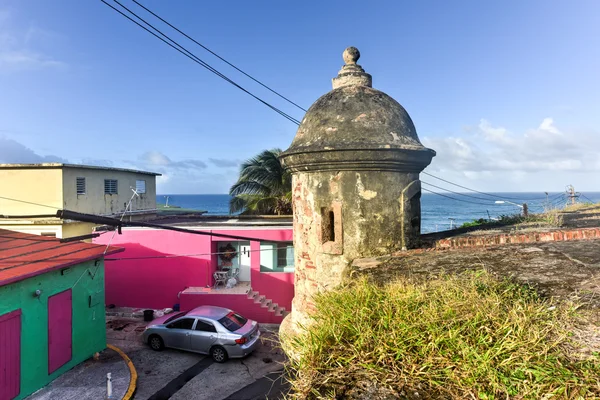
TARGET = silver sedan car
x,y
217,331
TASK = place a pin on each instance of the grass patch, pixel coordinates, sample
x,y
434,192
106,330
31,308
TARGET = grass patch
x,y
551,218
476,222
470,336
582,206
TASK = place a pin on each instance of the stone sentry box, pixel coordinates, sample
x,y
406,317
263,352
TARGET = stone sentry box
x,y
355,163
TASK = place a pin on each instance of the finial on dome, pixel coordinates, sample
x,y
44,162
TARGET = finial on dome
x,y
351,73
351,55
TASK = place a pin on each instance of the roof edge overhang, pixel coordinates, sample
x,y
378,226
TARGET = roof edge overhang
x,y
63,165
110,251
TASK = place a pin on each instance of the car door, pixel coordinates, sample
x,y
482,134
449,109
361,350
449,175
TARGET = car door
x,y
204,336
179,332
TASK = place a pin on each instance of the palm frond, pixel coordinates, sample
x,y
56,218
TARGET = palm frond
x,y
263,187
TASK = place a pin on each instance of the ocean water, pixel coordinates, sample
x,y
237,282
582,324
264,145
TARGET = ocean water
x,y
438,213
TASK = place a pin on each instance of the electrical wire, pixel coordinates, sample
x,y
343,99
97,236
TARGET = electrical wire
x,y
457,193
195,58
218,56
29,202
179,255
477,191
454,198
121,219
584,196
101,220
558,201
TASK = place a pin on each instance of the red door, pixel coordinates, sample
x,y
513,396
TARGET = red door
x,y
60,318
10,355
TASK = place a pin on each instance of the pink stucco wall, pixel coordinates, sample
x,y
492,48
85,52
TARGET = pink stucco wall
x,y
153,278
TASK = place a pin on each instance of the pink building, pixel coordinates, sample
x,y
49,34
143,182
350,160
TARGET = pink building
x,y
160,268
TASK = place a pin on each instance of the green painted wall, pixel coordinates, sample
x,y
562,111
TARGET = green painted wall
x,y
89,326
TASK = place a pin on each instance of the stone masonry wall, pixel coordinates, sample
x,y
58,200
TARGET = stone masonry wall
x,y
366,209
514,238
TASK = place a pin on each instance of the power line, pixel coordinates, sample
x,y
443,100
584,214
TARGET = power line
x,y
584,196
102,220
457,193
29,202
454,198
218,56
121,219
179,255
477,191
194,58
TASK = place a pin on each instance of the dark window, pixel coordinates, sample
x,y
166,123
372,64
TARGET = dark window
x,y
205,326
184,323
80,185
175,316
140,186
110,186
285,255
327,225
233,321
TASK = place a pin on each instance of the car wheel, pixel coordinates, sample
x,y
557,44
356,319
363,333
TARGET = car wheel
x,y
156,343
219,354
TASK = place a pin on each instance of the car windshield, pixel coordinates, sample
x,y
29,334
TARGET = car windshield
x,y
181,314
232,321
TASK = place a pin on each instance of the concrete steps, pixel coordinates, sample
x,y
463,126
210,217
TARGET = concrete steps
x,y
257,298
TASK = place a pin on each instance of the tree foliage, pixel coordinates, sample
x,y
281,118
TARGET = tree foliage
x,y
263,187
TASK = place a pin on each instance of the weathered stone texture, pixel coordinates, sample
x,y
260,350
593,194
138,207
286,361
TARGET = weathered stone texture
x,y
355,163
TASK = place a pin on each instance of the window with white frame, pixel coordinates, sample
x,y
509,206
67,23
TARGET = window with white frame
x,y
277,257
110,186
80,184
140,186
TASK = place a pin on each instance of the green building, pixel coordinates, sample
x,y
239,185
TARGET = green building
x,y
51,309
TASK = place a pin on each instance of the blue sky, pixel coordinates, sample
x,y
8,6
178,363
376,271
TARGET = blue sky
x,y
506,92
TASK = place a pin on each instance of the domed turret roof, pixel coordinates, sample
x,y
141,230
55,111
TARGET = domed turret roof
x,y
356,117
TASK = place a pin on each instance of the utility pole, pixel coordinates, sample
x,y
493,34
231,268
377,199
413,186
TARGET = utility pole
x,y
451,222
571,194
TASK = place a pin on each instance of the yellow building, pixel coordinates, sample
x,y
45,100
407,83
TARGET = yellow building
x,y
42,189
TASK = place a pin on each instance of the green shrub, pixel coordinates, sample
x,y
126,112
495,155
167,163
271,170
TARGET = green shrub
x,y
475,222
458,337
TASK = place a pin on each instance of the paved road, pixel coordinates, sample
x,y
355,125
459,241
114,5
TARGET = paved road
x,y
88,380
181,375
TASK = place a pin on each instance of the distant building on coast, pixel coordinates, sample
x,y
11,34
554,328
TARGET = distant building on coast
x,y
43,188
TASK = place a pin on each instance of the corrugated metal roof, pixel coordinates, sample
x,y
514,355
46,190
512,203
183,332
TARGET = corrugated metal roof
x,y
23,255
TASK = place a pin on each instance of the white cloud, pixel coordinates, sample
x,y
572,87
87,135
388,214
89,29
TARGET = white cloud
x,y
224,162
156,159
490,133
492,153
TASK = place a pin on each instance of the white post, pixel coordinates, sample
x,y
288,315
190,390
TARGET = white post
x,y
109,386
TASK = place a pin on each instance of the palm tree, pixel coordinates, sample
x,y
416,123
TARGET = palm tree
x,y
263,187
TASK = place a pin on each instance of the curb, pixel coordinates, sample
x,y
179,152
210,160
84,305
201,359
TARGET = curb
x,y
132,372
